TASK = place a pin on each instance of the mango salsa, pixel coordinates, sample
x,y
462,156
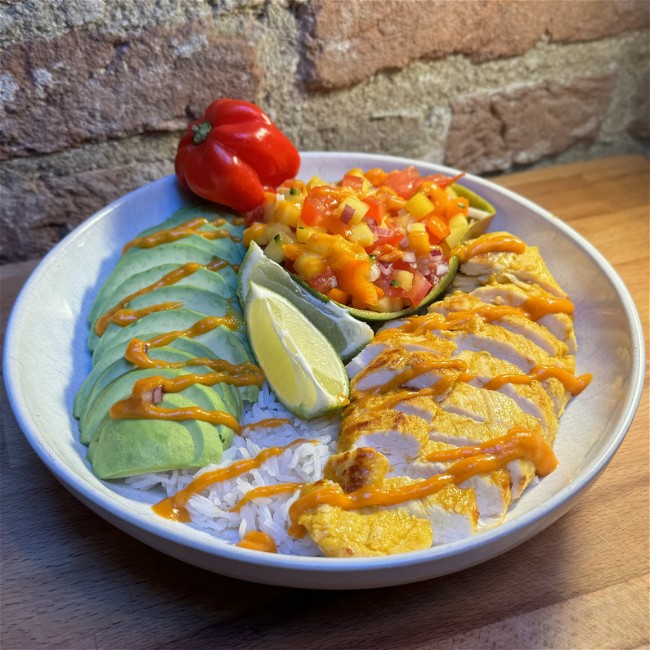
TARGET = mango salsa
x,y
374,240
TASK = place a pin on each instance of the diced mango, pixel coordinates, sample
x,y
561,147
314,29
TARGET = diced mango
x,y
361,233
403,279
287,212
359,207
457,227
321,243
419,206
308,265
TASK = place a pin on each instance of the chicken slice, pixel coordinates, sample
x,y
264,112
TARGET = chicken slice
x,y
401,368
395,338
503,344
396,435
357,468
517,323
527,267
559,325
448,515
531,398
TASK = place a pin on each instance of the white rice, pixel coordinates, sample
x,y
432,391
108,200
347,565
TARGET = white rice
x,y
302,463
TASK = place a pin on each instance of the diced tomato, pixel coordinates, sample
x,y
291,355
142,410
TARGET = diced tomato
x,y
419,289
313,212
324,281
405,182
388,237
350,180
442,180
376,209
384,282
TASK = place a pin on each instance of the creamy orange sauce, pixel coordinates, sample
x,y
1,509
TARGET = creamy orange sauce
x,y
489,243
174,507
256,540
124,317
575,385
265,491
168,279
266,423
181,231
415,370
469,461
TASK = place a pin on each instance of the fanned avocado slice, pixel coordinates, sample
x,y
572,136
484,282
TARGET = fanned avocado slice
x,y
113,364
162,321
136,260
123,448
222,283
120,388
187,297
198,210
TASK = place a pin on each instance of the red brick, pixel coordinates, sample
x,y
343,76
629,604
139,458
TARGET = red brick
x,y
349,41
494,132
86,87
595,19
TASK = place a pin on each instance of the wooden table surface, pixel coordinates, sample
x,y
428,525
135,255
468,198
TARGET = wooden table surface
x,y
70,580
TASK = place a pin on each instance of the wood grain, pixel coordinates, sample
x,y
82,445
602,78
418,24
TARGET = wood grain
x,y
69,580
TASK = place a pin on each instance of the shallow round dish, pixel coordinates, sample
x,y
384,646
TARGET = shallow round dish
x,y
46,342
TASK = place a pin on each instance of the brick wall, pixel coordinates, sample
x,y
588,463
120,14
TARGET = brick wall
x,y
94,93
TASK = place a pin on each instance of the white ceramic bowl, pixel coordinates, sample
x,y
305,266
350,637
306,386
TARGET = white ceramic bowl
x,y
45,362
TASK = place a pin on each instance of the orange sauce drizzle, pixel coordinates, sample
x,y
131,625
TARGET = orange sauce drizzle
x,y
168,279
181,231
575,385
537,307
173,507
266,423
265,491
489,243
256,540
124,317
469,461
202,326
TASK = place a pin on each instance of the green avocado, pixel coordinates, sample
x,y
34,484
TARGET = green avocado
x,y
206,397
189,297
127,447
104,373
191,249
222,283
205,211
161,321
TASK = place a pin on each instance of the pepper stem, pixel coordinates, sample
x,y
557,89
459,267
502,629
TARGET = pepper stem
x,y
200,132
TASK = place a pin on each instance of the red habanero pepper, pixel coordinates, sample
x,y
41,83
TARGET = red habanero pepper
x,y
232,153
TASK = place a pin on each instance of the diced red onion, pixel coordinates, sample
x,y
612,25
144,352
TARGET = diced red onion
x,y
384,232
404,243
409,257
374,272
441,269
385,269
437,255
347,214
154,396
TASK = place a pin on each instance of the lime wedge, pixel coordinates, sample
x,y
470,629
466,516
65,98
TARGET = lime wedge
x,y
345,333
303,369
